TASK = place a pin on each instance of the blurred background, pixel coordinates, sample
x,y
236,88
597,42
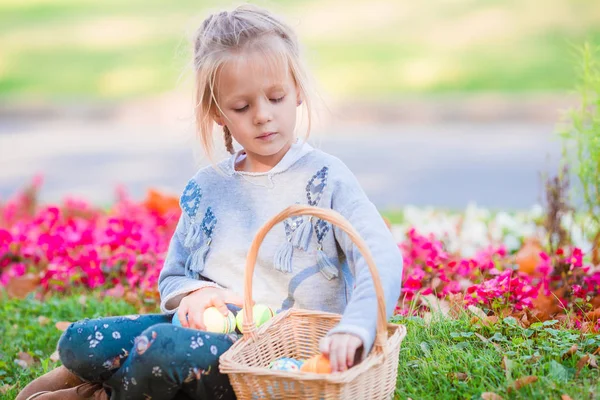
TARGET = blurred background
x,y
431,103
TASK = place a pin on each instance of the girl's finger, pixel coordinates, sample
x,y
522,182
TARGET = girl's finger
x,y
342,353
324,346
197,318
219,304
353,345
182,315
337,357
333,355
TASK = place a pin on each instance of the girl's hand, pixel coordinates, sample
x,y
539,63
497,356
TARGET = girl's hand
x,y
191,308
341,350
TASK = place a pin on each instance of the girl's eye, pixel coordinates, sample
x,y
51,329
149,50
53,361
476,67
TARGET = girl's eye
x,y
241,109
277,100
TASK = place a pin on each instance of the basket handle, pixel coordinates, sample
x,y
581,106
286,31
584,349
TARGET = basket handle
x,y
334,218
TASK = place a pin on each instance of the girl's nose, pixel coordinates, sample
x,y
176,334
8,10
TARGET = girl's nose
x,y
263,113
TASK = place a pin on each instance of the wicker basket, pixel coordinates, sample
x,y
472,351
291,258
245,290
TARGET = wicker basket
x,y
296,333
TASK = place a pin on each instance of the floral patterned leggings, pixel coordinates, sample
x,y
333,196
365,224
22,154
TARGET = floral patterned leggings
x,y
146,357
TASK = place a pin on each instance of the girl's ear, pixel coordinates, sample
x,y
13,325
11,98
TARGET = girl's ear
x,y
216,115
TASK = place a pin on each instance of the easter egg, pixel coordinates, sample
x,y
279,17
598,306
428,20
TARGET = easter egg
x,y
260,313
286,364
215,321
176,320
318,364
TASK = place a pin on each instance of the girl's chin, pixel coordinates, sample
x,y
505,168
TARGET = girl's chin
x,y
271,148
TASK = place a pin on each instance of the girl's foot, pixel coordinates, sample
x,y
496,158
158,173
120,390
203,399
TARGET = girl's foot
x,y
85,391
57,379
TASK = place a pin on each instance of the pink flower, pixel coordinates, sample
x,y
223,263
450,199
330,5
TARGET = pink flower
x,y
14,271
507,289
576,258
578,291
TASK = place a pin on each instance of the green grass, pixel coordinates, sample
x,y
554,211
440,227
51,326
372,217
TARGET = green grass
x,y
70,73
67,49
374,69
21,331
431,355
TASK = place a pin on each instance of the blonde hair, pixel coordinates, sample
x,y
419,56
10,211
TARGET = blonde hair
x,y
226,34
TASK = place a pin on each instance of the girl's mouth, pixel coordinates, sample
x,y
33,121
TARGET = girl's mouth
x,y
267,135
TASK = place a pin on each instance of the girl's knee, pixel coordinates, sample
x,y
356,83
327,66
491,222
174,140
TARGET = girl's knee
x,y
71,342
79,352
71,349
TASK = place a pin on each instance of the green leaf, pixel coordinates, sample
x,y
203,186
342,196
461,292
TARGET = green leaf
x,y
528,332
498,337
557,333
550,323
462,345
536,325
425,349
558,372
509,365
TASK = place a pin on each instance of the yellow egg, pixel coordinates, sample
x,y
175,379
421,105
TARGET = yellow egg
x,y
215,321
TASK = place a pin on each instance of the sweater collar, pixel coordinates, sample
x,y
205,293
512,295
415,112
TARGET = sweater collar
x,y
297,150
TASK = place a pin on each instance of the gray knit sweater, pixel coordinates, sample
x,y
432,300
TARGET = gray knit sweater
x,y
303,262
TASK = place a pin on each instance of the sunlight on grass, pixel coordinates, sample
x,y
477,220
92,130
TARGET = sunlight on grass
x,y
363,49
123,80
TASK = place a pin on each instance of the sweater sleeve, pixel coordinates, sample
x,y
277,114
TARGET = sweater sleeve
x,y
360,316
173,284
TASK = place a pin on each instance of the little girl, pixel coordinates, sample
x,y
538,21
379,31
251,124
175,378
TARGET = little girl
x,y
250,81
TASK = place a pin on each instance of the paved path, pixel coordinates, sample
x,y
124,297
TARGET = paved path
x,y
448,165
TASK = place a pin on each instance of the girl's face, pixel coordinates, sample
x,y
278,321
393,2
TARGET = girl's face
x,y
258,105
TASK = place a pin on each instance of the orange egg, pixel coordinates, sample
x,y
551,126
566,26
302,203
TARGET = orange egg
x,y
318,364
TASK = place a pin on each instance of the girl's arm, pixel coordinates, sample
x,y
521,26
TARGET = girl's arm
x,y
173,284
360,316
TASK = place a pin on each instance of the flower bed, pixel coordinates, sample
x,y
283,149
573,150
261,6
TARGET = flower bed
x,y
451,260
59,247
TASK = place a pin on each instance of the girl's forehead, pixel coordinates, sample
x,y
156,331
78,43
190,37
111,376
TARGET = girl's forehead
x,y
248,72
